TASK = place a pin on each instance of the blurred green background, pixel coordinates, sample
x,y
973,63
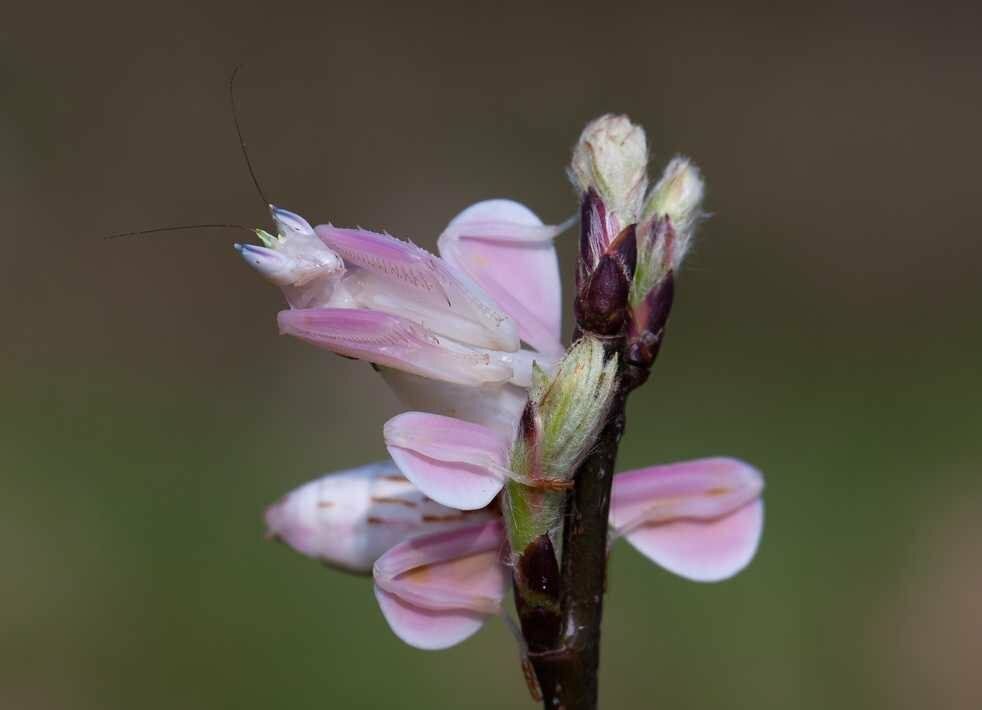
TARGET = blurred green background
x,y
826,328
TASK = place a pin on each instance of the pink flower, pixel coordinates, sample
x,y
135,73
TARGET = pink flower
x,y
440,573
699,519
447,335
444,344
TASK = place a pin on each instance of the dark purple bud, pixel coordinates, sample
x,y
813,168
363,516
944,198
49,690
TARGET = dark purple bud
x,y
594,235
658,303
647,321
642,351
625,248
537,585
601,305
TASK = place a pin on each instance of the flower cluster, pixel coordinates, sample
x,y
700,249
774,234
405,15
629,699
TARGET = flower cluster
x,y
470,341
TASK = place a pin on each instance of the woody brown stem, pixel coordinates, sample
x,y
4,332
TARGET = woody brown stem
x,y
567,667
561,618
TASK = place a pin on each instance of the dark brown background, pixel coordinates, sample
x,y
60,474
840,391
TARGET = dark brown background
x,y
827,329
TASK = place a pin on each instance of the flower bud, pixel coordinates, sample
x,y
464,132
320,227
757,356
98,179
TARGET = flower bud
x,y
560,424
609,168
596,233
668,223
536,573
611,158
604,270
565,413
600,305
646,324
678,196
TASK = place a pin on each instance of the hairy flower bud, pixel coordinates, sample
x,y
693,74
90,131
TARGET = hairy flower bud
x,y
596,233
668,223
565,412
604,270
611,158
664,236
610,169
678,195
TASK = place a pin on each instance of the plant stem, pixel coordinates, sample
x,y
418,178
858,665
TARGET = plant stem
x,y
560,606
567,669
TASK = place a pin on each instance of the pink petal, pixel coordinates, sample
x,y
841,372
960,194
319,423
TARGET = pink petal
x,y
349,518
456,463
701,550
699,519
425,629
400,278
436,590
507,250
392,341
